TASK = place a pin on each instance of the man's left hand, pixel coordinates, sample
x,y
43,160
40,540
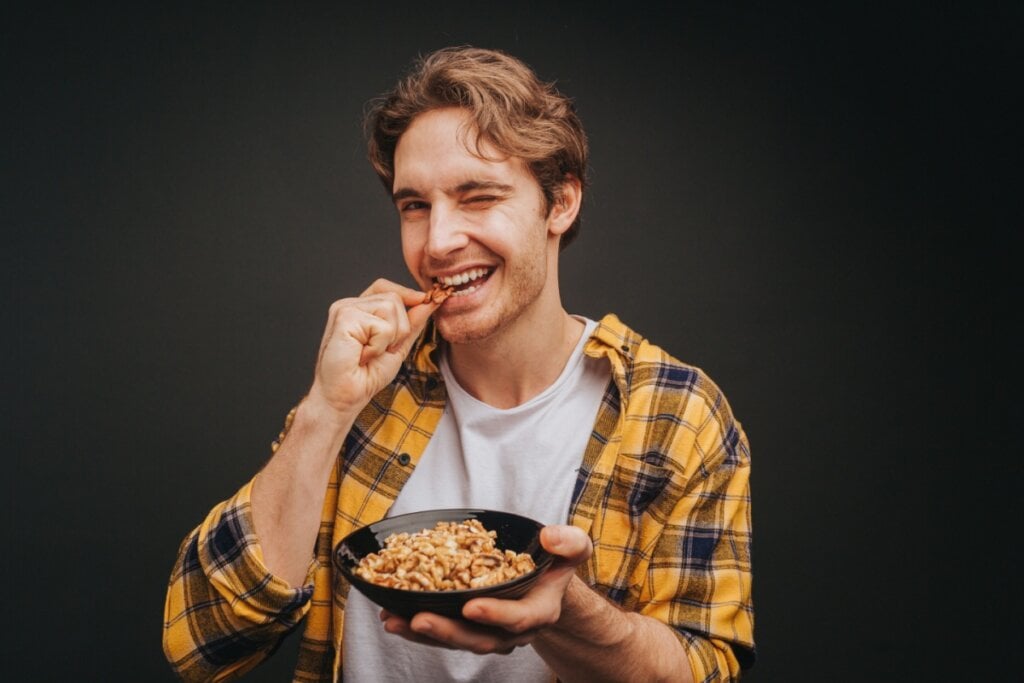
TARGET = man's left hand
x,y
500,626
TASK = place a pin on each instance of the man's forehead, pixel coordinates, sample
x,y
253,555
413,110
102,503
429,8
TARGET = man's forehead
x,y
457,173
442,147
452,179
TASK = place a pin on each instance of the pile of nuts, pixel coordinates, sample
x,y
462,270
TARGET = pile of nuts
x,y
451,556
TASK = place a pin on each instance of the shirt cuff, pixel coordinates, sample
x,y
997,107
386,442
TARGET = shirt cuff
x,y
232,558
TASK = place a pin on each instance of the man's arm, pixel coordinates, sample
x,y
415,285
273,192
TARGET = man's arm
x,y
596,640
240,581
364,343
581,635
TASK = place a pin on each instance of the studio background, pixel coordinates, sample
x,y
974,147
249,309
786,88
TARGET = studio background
x,y
808,205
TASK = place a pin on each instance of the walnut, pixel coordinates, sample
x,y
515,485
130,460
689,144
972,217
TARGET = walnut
x,y
451,556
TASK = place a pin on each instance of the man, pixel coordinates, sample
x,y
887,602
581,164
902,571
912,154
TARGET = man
x,y
495,397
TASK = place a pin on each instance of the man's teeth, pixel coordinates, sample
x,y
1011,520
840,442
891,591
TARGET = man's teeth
x,y
464,292
462,278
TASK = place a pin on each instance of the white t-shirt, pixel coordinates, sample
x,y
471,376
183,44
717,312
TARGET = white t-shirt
x,y
524,460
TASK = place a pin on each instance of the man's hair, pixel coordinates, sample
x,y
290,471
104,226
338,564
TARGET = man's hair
x,y
510,108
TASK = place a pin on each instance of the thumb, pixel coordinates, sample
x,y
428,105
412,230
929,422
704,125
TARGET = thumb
x,y
568,543
418,317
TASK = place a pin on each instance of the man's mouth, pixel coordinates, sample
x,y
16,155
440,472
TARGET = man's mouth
x,y
465,282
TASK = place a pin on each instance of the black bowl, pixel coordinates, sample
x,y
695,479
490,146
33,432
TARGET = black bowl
x,y
514,532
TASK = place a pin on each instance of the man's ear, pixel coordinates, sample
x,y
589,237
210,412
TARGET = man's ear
x,y
566,206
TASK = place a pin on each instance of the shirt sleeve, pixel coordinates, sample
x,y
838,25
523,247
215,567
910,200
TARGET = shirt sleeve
x,y
225,612
700,574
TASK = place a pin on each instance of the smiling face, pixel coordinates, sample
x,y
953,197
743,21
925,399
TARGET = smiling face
x,y
478,224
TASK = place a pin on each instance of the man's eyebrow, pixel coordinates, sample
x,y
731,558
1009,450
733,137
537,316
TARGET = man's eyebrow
x,y
401,194
483,185
468,186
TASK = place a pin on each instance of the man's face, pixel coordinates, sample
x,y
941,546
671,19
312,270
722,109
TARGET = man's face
x,y
478,224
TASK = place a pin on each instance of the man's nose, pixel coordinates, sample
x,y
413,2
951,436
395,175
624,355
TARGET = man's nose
x,y
447,231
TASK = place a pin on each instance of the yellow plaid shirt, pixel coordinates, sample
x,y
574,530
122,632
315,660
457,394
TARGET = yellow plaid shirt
x,y
663,492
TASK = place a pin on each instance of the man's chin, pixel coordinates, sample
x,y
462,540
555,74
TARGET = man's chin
x,y
460,329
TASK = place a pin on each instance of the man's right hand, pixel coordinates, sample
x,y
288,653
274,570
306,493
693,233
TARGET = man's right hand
x,y
364,343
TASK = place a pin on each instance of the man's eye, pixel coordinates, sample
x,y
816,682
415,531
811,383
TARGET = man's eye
x,y
482,199
413,206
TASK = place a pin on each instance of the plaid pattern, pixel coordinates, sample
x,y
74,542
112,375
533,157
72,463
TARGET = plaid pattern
x,y
663,492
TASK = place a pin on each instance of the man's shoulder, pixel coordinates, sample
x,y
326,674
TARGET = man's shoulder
x,y
668,398
648,367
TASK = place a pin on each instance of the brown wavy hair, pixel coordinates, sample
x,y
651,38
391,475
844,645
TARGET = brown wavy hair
x,y
511,109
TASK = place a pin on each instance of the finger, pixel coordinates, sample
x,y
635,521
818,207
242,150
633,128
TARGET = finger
x,y
567,542
377,322
570,547
542,604
409,296
417,317
464,636
386,307
519,618
390,307
398,626
387,301
332,320
376,335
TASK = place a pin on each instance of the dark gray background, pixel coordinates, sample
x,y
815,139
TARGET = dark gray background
x,y
811,205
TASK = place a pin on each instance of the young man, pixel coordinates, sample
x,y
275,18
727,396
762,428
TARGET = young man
x,y
497,398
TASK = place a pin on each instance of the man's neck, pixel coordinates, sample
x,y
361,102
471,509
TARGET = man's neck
x,y
518,363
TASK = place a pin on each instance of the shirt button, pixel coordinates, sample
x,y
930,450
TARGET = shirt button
x,y
404,459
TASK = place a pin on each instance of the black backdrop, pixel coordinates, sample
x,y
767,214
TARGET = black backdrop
x,y
810,205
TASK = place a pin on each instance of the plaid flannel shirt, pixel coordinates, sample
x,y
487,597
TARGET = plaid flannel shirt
x,y
663,492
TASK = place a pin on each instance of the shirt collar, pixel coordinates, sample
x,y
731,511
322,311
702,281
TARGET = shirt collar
x,y
611,339
620,345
